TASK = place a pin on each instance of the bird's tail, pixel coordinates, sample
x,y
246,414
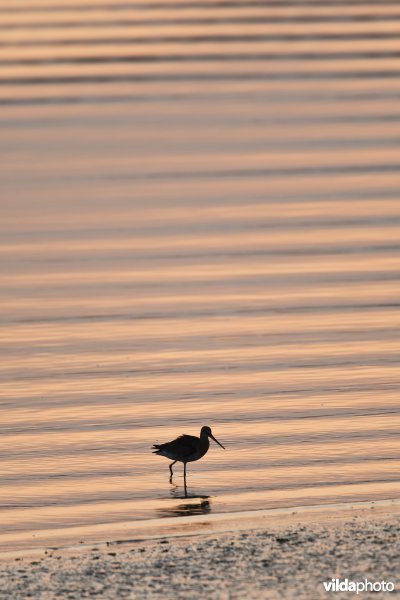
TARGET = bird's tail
x,y
156,449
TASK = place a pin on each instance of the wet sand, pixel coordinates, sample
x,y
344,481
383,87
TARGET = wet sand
x,y
290,557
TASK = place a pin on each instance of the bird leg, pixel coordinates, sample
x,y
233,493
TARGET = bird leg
x,y
171,471
184,478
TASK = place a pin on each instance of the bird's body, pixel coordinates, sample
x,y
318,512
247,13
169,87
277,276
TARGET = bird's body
x,y
186,448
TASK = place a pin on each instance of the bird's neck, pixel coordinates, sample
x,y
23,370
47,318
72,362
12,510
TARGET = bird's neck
x,y
204,441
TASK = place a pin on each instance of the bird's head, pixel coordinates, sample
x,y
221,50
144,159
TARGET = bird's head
x,y
206,431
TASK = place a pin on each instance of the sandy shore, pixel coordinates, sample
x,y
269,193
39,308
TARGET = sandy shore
x,y
289,557
281,561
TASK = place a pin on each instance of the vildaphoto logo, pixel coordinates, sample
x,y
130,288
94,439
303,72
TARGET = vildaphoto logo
x,y
344,585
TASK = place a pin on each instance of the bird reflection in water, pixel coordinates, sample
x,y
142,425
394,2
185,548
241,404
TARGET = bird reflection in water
x,y
201,505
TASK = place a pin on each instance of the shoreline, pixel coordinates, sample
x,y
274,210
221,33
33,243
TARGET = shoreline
x,y
185,527
286,556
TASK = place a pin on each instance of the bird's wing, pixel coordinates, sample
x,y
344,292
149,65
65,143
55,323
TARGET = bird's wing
x,y
184,445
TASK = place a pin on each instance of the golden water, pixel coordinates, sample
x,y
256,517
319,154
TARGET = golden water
x,y
200,225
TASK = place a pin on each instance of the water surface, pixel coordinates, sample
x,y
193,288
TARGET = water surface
x,y
200,225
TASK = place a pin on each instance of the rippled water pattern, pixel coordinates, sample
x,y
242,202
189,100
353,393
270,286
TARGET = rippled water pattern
x,y
200,225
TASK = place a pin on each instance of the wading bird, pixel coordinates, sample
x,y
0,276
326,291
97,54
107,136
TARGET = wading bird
x,y
186,448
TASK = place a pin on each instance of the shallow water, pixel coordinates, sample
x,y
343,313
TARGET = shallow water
x,y
200,225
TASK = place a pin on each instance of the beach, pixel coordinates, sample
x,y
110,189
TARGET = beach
x,y
291,557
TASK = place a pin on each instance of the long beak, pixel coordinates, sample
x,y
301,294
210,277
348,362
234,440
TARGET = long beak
x,y
215,440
